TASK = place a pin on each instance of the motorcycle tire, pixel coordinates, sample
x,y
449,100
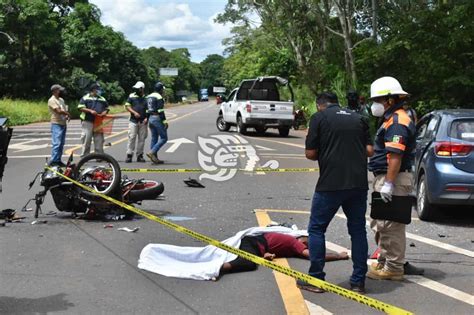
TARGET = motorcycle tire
x,y
151,191
115,185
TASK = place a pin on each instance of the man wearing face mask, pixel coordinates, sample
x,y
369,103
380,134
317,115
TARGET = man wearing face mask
x,y
391,165
92,105
137,127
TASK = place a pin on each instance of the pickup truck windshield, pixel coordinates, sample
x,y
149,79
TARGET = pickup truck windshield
x,y
265,90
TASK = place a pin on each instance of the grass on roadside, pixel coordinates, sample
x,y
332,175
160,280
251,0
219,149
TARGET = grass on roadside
x,y
22,112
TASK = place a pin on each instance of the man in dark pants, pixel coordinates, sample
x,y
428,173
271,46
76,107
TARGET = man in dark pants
x,y
339,140
272,245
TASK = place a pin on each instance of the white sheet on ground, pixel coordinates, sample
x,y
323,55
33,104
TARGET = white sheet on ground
x,y
199,263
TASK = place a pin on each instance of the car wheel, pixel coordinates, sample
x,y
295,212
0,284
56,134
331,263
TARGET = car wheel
x,y
221,124
241,128
284,132
426,211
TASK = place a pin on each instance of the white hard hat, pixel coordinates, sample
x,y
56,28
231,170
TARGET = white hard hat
x,y
386,86
139,85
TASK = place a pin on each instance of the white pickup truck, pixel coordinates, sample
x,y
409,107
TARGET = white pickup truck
x,y
256,104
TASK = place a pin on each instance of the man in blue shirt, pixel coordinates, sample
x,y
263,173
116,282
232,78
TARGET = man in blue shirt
x,y
92,105
157,122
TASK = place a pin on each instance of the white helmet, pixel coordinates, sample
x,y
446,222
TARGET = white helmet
x,y
386,86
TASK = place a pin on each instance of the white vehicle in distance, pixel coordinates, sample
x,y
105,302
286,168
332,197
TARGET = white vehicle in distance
x,y
257,104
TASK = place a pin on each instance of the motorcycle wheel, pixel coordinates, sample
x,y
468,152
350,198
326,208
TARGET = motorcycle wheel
x,y
146,190
106,166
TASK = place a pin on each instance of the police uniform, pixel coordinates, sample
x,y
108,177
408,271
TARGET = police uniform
x,y
395,135
100,105
157,121
137,129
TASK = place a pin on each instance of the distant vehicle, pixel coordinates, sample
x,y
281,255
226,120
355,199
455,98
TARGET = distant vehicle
x,y
257,104
444,164
203,95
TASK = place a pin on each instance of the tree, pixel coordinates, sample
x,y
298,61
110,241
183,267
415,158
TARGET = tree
x,y
212,71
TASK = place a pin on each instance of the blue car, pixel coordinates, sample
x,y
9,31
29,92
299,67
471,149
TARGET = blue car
x,y
444,163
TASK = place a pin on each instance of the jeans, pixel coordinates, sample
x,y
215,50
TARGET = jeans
x,y
324,208
58,138
159,135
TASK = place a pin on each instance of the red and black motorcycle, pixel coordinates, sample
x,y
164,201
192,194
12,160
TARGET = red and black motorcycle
x,y
102,173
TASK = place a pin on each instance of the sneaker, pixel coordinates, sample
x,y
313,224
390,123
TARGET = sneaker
x,y
152,157
376,266
358,288
303,285
158,161
129,158
383,274
140,158
409,269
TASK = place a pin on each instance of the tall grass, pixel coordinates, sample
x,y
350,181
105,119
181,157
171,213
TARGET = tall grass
x,y
21,112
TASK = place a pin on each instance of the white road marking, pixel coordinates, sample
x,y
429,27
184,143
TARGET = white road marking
x,y
176,143
423,281
316,309
21,147
262,148
429,241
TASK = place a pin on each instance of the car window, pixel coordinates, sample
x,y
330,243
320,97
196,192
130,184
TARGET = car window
x,y
431,128
421,129
231,96
462,130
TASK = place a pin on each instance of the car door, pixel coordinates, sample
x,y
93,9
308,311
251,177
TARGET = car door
x,y
425,136
227,106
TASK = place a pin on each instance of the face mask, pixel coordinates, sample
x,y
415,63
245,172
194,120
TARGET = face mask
x,y
100,92
377,109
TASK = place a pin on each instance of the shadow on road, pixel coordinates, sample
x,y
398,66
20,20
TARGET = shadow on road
x,y
43,305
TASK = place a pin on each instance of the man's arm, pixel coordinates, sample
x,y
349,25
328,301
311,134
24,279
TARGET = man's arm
x,y
394,164
311,154
312,139
370,150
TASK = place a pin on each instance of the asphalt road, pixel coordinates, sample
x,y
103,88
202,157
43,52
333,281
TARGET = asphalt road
x,y
76,266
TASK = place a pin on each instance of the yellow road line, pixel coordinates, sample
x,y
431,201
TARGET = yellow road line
x,y
292,298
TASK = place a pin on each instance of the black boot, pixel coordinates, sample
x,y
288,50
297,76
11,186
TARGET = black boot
x,y
409,269
140,158
129,158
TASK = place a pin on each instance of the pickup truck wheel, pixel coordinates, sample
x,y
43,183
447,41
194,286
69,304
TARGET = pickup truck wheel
x,y
221,124
426,211
284,131
260,130
241,128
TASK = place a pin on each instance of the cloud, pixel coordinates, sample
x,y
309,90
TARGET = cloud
x,y
170,25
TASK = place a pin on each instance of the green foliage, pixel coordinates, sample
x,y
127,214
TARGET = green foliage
x,y
20,112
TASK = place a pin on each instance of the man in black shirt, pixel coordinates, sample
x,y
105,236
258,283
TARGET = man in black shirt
x,y
339,140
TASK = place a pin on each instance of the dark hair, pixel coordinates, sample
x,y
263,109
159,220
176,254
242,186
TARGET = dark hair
x,y
326,97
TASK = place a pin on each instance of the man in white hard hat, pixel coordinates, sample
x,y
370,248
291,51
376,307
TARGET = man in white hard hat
x,y
391,165
137,128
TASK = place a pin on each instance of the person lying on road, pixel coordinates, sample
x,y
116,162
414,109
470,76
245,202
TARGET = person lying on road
x,y
270,246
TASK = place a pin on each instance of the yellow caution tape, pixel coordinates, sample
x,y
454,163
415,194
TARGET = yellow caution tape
x,y
198,170
368,301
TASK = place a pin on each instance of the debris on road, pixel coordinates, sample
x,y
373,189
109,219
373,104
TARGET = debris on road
x,y
27,209
412,244
191,182
39,222
126,229
106,226
441,235
51,213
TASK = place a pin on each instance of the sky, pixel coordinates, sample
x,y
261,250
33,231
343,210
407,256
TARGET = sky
x,y
169,24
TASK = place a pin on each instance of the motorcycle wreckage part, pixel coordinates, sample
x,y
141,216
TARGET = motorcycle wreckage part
x,y
104,179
